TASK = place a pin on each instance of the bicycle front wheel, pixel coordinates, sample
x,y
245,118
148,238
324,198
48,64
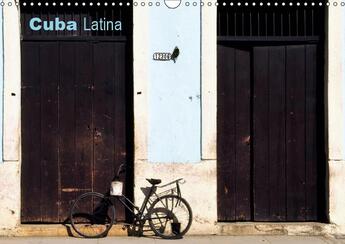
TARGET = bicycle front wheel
x,y
170,217
92,215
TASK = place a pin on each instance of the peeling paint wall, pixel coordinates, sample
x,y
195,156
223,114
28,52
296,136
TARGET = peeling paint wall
x,y
9,195
199,189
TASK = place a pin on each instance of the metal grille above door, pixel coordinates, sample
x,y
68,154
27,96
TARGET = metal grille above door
x,y
270,118
274,22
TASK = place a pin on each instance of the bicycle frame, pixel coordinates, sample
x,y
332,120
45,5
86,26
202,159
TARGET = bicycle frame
x,y
151,211
128,204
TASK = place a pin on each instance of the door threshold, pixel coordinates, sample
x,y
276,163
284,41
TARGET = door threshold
x,y
275,228
52,230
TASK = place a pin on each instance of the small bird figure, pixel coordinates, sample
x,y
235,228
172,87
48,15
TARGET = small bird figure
x,y
175,54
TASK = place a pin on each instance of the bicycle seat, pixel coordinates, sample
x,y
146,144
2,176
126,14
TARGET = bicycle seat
x,y
154,181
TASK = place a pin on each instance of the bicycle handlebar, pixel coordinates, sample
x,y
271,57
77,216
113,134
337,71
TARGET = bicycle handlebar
x,y
121,170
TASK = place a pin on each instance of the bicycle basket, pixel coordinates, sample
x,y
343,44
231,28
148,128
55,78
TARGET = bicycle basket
x,y
171,188
171,191
116,188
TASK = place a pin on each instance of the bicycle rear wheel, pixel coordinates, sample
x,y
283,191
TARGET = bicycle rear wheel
x,y
170,217
92,215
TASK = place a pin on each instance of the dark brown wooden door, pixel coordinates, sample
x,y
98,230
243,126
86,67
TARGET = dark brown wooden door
x,y
75,123
270,133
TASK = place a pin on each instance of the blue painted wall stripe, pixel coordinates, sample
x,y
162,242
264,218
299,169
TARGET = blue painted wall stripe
x,y
174,88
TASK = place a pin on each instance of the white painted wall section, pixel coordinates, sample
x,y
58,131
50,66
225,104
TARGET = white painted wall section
x,y
335,83
12,71
335,87
209,81
10,170
1,80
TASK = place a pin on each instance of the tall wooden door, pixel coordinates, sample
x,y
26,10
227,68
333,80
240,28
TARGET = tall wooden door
x,y
76,117
270,146
270,133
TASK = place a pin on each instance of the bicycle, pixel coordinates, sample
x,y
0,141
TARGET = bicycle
x,y
168,214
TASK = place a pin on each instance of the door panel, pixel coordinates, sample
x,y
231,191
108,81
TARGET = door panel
x,y
49,79
280,116
313,170
295,132
269,133
74,123
31,132
233,134
76,138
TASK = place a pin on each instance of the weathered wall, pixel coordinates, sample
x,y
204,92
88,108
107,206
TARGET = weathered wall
x,y
335,93
199,189
10,168
197,166
9,195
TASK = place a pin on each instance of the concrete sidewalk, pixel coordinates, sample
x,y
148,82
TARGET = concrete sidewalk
x,y
186,240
